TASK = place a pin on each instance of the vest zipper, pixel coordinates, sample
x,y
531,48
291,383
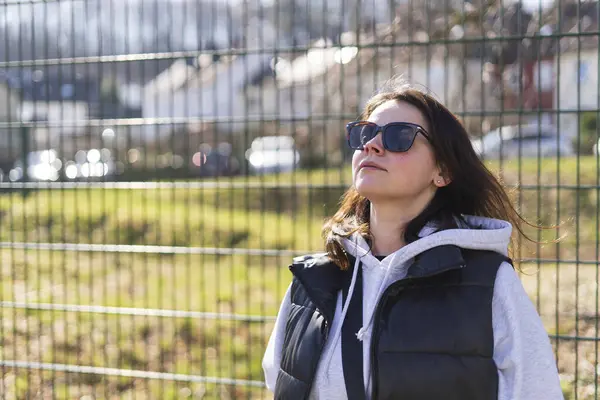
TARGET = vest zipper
x,y
392,290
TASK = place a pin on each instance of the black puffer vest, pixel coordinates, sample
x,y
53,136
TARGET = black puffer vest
x,y
432,335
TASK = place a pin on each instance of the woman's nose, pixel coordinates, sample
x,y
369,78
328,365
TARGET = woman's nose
x,y
374,145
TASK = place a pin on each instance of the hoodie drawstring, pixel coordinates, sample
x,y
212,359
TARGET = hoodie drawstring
x,y
360,249
362,332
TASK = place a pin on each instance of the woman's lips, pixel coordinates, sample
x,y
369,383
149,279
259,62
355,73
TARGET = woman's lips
x,y
369,165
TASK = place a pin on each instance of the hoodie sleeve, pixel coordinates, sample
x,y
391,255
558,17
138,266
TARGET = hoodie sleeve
x,y
522,350
272,357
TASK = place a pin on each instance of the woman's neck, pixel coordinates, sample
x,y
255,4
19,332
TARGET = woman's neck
x,y
387,235
388,222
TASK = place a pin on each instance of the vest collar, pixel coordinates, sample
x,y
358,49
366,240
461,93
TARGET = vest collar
x,y
436,260
321,278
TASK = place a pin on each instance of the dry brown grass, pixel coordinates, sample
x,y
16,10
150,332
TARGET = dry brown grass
x,y
568,300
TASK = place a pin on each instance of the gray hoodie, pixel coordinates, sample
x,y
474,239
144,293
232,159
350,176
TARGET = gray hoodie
x,y
522,350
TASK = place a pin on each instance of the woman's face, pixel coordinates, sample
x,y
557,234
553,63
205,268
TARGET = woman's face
x,y
396,176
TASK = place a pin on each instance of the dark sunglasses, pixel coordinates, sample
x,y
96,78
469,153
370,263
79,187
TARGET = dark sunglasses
x,y
397,136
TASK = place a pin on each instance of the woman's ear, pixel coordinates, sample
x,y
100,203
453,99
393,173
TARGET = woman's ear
x,y
441,181
441,178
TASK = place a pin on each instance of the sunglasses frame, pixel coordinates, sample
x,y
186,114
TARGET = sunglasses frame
x,y
379,128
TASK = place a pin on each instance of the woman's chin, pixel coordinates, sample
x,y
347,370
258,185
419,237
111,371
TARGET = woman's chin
x,y
371,183
371,191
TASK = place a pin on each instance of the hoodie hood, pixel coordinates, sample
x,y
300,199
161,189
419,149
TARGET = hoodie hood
x,y
474,233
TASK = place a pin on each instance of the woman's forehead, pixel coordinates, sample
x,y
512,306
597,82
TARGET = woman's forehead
x,y
397,111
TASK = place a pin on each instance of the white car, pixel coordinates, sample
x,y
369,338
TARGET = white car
x,y
43,165
524,141
269,154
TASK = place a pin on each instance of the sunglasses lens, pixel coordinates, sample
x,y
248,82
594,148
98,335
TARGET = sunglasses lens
x,y
399,137
359,135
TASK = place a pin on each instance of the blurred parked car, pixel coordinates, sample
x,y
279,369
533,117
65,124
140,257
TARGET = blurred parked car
x,y
212,162
46,165
269,154
43,165
93,164
524,141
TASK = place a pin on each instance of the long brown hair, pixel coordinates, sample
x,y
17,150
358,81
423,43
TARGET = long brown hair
x,y
473,189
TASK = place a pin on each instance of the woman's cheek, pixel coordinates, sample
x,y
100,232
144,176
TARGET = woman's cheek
x,y
356,158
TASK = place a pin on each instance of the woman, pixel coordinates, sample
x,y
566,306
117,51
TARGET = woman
x,y
416,298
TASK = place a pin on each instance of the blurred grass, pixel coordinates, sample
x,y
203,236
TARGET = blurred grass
x,y
268,218
280,217
202,347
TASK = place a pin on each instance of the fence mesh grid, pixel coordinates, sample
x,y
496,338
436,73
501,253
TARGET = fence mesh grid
x,y
161,161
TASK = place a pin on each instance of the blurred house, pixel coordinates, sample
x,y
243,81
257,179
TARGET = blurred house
x,y
576,66
205,96
212,92
56,105
310,95
577,89
544,77
10,136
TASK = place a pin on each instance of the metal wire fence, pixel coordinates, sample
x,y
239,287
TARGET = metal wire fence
x,y
162,161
